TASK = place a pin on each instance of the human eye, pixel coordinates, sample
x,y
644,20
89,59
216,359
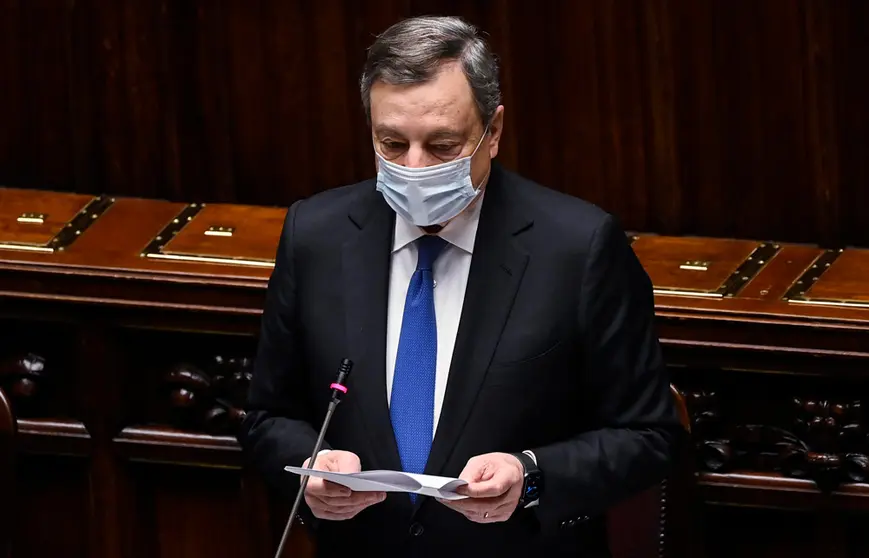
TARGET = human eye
x,y
446,150
392,148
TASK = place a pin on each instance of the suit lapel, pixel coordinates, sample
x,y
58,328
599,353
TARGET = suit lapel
x,y
495,275
366,265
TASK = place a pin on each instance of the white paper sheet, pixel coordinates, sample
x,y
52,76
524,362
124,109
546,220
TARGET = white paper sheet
x,y
390,481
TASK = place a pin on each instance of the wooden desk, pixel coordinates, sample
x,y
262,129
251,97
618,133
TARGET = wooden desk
x,y
132,324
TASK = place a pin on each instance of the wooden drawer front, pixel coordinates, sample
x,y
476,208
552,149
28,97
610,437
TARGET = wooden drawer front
x,y
38,221
836,278
221,234
701,266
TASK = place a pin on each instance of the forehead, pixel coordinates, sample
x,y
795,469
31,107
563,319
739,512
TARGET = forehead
x,y
444,101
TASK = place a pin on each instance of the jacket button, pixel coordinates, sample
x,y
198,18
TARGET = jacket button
x,y
416,529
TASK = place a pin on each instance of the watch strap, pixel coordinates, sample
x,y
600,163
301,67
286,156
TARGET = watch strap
x,y
532,482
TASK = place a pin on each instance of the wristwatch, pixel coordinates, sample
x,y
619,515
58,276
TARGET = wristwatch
x,y
533,483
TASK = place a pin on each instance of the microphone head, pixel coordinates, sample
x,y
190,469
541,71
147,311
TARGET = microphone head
x,y
345,368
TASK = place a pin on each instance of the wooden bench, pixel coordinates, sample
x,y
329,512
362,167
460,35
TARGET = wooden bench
x,y
133,321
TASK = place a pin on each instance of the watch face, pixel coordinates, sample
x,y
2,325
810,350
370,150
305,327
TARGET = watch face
x,y
532,488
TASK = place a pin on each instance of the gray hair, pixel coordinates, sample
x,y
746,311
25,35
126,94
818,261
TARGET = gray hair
x,y
412,50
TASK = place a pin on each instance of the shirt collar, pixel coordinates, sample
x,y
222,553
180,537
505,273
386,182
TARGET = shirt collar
x,y
460,232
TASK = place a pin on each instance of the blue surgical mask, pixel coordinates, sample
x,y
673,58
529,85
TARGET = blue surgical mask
x,y
428,195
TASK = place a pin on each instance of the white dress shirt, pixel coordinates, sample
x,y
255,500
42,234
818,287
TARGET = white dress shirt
x,y
450,272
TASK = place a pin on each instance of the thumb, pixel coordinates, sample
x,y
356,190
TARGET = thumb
x,y
476,470
490,486
327,464
344,462
321,463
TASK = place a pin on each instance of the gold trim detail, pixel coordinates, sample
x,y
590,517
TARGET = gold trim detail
x,y
219,230
695,265
68,234
746,271
155,248
32,218
830,302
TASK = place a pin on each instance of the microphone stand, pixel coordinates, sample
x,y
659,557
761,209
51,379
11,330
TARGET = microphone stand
x,y
338,391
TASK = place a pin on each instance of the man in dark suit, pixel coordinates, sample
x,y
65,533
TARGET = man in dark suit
x,y
501,332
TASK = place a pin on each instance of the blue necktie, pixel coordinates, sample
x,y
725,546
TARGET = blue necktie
x,y
413,384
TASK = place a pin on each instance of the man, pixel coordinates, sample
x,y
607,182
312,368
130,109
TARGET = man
x,y
500,332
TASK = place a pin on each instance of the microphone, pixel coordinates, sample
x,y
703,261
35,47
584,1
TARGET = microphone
x,y
339,390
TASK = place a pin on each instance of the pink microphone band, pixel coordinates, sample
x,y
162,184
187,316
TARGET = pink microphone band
x,y
339,387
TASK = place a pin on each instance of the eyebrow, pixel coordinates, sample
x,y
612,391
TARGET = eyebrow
x,y
436,134
445,133
386,131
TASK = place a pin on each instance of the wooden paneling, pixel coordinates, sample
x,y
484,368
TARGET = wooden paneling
x,y
792,534
54,513
174,504
738,119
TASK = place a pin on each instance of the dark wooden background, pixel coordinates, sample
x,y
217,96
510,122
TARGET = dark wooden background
x,y
744,118
714,117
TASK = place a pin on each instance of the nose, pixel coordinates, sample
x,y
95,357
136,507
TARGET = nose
x,y
415,157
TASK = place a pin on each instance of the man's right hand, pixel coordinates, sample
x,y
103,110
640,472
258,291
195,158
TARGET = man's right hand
x,y
331,501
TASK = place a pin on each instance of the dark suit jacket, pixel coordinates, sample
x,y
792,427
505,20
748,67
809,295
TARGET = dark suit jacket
x,y
556,353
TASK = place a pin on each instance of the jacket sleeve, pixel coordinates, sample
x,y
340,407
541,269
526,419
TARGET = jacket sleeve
x,y
277,429
634,419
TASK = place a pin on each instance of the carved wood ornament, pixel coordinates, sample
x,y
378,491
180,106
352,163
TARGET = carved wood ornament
x,y
827,441
209,399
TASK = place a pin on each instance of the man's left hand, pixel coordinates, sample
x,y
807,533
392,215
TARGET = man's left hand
x,y
494,487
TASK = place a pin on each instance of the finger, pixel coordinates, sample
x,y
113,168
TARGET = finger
x,y
322,487
481,516
476,471
501,513
474,506
498,485
494,515
355,498
480,506
347,463
459,506
337,504
327,511
486,503
334,489
336,515
358,499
